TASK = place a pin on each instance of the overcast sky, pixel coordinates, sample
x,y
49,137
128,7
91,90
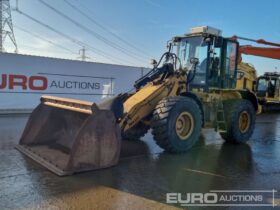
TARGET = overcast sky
x,y
143,25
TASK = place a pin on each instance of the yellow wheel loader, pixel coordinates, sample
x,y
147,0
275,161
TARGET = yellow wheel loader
x,y
268,91
190,88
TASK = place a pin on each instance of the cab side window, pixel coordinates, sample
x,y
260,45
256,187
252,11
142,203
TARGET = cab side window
x,y
214,74
230,65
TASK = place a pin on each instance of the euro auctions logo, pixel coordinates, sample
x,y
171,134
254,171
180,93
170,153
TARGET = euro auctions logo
x,y
54,83
13,81
224,198
192,198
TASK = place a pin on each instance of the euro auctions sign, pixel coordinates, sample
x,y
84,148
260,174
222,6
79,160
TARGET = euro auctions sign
x,y
24,79
46,83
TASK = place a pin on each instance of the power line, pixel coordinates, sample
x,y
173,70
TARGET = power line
x,y
96,35
45,40
22,46
39,49
102,53
103,27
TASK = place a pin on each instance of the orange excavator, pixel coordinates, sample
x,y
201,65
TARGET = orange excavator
x,y
267,86
268,52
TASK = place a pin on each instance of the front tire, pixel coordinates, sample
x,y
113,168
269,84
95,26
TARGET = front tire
x,y
176,123
240,121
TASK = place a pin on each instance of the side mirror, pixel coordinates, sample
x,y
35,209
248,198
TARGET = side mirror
x,y
169,46
194,61
153,62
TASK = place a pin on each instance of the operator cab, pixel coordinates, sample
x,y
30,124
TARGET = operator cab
x,y
217,58
268,85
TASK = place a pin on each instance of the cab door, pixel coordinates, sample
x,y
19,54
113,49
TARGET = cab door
x,y
229,64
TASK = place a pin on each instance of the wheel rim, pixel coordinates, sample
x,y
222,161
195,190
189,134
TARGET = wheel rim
x,y
184,125
244,121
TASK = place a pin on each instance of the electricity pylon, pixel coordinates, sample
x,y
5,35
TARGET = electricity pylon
x,y
6,31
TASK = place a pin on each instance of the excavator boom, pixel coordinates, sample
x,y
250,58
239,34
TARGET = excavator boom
x,y
268,52
260,51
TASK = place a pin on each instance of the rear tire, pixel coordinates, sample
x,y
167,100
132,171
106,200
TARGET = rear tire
x,y
176,123
136,132
240,121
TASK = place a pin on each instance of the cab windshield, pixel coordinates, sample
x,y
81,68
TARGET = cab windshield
x,y
194,47
262,84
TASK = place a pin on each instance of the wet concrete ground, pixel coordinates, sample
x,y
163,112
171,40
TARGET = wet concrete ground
x,y
145,173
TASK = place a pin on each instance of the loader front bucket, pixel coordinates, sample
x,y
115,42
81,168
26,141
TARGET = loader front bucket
x,y
68,136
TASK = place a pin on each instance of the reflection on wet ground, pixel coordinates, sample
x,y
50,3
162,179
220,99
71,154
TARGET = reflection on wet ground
x,y
145,173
